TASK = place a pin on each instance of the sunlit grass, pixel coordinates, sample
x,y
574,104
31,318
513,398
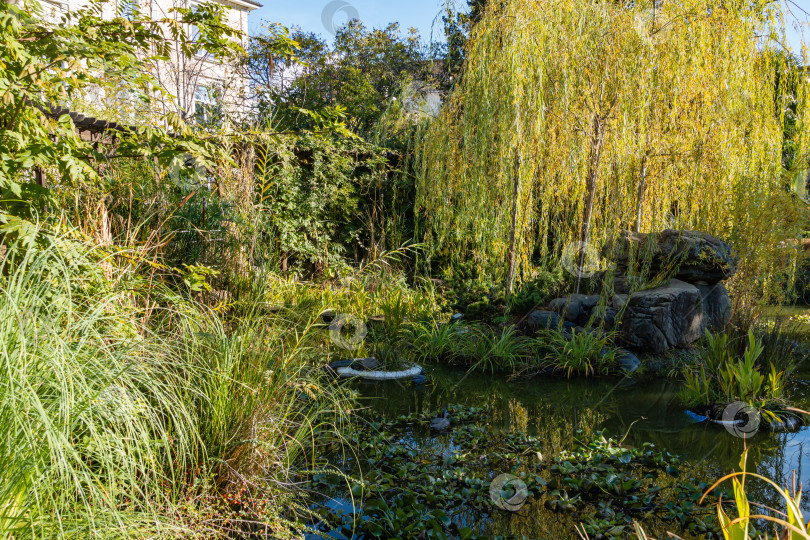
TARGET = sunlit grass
x,y
124,421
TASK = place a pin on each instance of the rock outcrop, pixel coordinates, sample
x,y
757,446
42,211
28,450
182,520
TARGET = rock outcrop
x,y
691,265
658,319
690,256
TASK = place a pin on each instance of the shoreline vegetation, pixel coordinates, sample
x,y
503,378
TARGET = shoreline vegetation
x,y
172,293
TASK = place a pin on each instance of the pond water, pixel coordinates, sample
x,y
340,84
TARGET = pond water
x,y
559,410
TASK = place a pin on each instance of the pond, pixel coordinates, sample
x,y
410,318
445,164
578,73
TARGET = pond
x,y
559,412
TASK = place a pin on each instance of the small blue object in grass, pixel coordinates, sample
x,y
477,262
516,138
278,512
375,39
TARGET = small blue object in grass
x,y
696,417
419,379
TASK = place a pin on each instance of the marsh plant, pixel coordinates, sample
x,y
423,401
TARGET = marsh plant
x,y
580,352
721,376
128,410
476,346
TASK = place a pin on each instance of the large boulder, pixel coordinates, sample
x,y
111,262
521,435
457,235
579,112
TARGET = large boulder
x,y
716,305
690,256
658,319
539,319
575,308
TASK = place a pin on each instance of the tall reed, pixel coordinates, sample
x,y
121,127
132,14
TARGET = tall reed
x,y
120,424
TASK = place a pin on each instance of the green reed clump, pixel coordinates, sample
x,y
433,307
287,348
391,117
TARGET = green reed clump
x,y
129,411
474,345
581,352
724,375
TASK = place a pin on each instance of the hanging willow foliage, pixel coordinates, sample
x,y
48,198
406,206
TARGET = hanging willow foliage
x,y
576,119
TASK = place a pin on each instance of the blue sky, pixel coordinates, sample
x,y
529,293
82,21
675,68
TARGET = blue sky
x,y
309,15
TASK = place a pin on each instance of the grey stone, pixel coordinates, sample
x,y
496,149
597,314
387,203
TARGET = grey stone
x,y
584,317
619,300
568,310
716,305
693,256
665,317
543,319
627,361
574,306
606,320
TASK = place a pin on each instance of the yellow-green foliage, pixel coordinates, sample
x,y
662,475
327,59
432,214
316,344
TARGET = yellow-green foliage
x,y
673,113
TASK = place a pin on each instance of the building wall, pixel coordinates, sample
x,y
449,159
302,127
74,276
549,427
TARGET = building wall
x,y
184,80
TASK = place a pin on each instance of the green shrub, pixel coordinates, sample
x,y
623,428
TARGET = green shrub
x,y
531,294
585,352
721,376
490,351
474,345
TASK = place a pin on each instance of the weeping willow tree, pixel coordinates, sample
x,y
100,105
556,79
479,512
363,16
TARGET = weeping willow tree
x,y
575,119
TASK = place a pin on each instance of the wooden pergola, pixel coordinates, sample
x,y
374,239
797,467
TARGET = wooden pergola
x,y
88,128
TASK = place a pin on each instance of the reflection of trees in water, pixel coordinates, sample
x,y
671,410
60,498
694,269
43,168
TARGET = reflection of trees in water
x,y
555,409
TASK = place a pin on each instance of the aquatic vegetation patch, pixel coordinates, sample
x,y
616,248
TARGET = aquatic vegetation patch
x,y
723,379
401,481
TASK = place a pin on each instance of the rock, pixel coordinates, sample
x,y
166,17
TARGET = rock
x,y
606,320
568,328
365,364
456,317
621,284
588,302
584,317
619,300
574,307
665,317
627,361
716,305
609,318
698,256
539,319
568,310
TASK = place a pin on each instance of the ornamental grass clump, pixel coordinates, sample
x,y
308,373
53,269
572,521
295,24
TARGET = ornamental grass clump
x,y
129,411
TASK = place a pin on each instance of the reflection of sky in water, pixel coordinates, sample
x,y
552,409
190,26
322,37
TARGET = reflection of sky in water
x,y
554,408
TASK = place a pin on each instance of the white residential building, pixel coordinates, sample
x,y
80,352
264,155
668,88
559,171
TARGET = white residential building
x,y
192,85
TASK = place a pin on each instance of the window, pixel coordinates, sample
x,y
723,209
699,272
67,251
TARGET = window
x,y
194,31
128,9
205,104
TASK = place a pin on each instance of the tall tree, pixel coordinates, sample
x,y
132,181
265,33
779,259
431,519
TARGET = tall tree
x,y
617,113
50,64
360,73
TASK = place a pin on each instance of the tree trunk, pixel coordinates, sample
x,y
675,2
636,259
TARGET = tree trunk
x,y
641,187
593,172
510,271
